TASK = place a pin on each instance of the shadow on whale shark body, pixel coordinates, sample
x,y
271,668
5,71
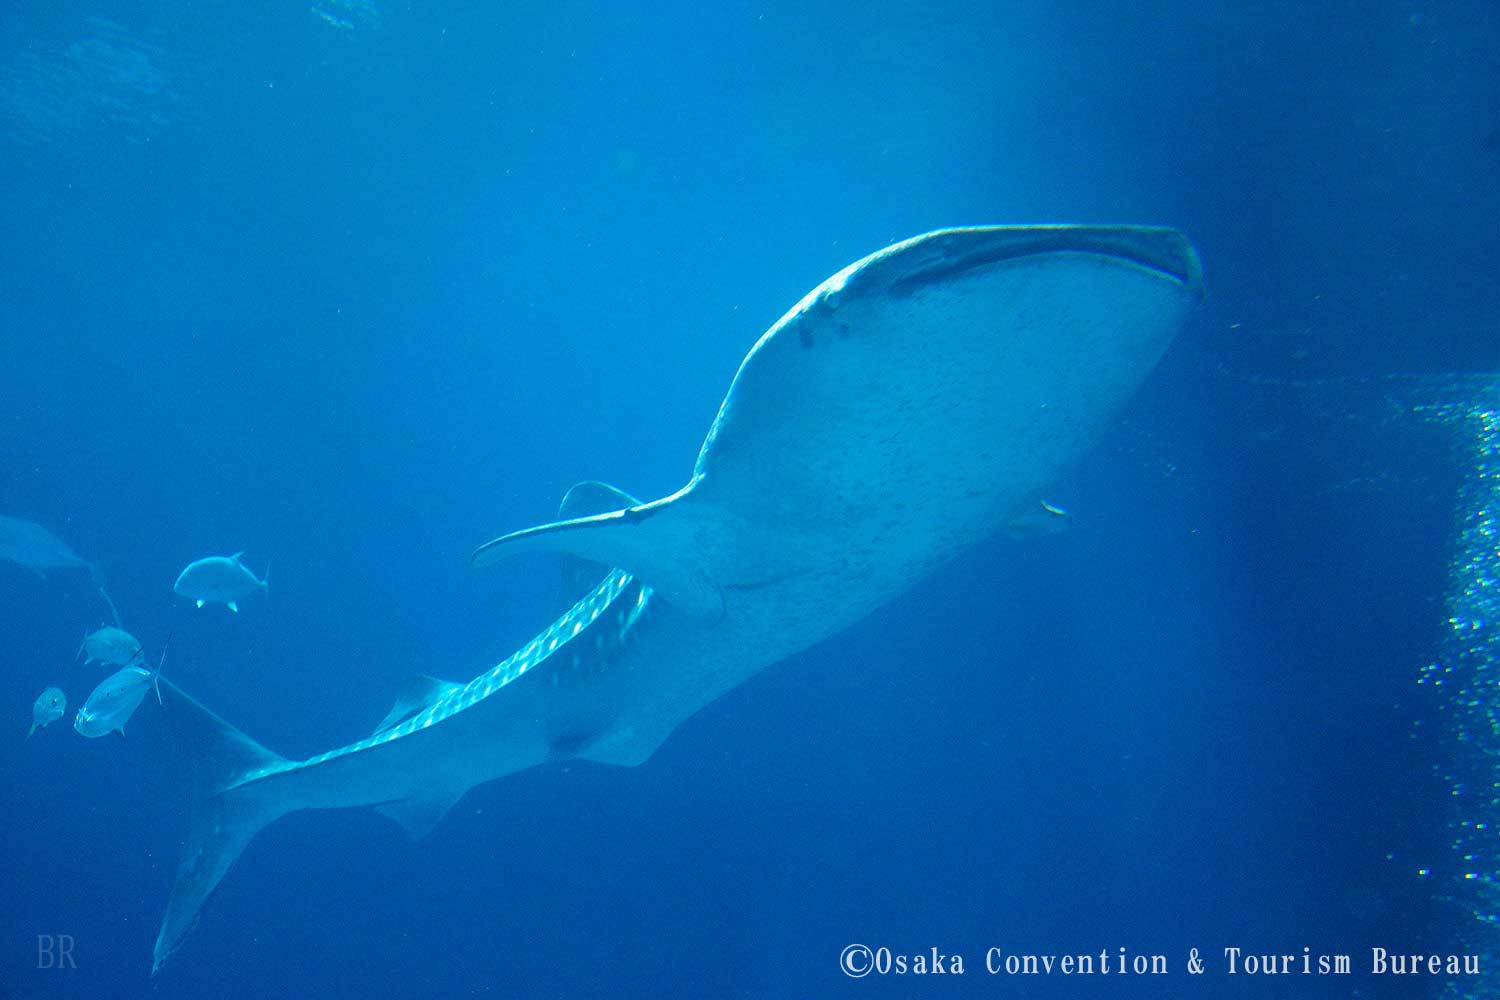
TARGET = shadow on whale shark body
x,y
910,406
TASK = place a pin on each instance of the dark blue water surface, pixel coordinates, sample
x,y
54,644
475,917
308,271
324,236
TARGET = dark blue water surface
x,y
357,285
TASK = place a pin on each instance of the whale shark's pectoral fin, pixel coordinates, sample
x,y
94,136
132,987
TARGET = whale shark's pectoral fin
x,y
416,693
653,542
419,814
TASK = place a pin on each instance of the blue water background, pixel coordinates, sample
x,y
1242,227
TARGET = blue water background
x,y
356,287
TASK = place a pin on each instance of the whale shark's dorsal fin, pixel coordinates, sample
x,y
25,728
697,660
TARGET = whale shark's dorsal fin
x,y
415,694
652,541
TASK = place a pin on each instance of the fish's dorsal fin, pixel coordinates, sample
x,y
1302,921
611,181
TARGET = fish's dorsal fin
x,y
420,813
415,694
236,557
585,499
645,540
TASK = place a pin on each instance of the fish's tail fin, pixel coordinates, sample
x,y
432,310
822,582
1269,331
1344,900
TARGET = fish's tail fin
x,y
225,814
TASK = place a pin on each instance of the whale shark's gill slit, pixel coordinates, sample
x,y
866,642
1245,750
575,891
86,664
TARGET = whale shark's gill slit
x,y
949,269
1164,253
749,586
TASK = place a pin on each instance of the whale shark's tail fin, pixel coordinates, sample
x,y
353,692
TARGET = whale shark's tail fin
x,y
225,815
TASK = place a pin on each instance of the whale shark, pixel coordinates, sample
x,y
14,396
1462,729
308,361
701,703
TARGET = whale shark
x,y
917,402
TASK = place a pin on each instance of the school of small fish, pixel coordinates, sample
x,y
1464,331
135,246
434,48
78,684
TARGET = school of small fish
x,y
222,580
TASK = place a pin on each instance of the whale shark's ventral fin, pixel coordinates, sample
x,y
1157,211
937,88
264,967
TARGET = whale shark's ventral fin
x,y
651,541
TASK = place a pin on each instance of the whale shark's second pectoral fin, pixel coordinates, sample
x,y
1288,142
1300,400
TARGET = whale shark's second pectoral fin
x,y
655,542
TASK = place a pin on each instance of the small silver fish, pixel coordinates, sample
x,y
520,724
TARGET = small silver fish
x,y
223,579
111,645
114,701
50,706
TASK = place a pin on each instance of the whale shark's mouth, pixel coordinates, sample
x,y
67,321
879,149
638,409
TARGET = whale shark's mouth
x,y
955,252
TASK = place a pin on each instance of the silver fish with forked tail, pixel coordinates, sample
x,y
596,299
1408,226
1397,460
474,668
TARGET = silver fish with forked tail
x,y
221,579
